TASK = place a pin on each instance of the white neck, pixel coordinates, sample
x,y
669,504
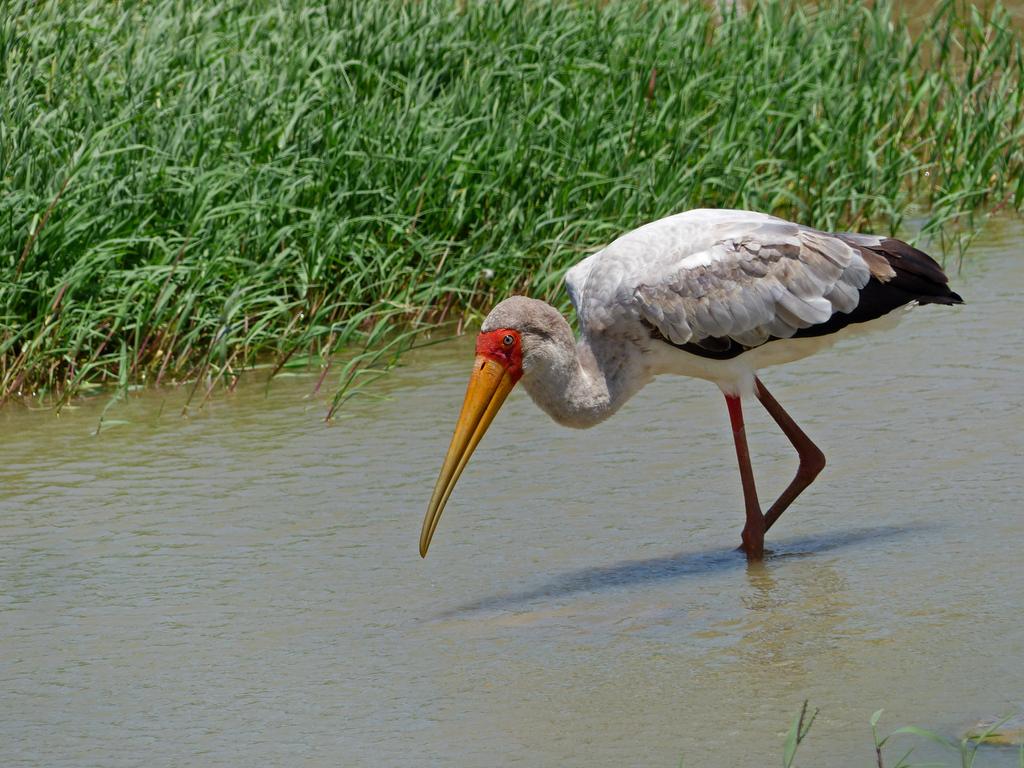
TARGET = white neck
x,y
582,384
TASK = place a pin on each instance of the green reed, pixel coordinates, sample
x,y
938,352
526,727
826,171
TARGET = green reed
x,y
187,188
965,750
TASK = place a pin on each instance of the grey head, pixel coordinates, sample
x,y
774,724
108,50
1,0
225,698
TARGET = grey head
x,y
563,378
546,335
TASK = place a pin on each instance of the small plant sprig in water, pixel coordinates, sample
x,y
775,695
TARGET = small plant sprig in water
x,y
966,750
797,733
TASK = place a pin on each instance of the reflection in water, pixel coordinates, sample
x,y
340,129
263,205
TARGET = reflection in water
x,y
786,625
761,581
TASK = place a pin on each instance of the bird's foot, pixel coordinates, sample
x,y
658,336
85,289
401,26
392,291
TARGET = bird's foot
x,y
765,553
754,554
753,539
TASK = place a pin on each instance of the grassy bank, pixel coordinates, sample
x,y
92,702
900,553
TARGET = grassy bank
x,y
189,187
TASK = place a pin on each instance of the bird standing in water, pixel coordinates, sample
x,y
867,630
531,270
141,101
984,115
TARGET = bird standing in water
x,y
713,294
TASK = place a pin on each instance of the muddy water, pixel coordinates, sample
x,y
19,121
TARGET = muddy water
x,y
241,587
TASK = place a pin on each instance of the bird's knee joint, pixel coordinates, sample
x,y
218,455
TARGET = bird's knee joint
x,y
811,464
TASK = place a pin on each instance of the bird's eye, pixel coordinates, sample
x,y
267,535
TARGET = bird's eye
x,y
508,340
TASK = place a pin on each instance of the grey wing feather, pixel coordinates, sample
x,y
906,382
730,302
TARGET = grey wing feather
x,y
770,279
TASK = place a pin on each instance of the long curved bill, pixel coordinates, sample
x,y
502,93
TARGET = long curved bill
x,y
488,387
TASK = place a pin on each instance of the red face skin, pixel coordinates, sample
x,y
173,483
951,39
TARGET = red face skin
x,y
494,346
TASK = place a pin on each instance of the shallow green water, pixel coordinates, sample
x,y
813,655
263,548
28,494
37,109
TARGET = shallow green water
x,y
242,587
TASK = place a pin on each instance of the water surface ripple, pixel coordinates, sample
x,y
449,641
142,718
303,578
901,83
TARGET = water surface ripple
x,y
242,586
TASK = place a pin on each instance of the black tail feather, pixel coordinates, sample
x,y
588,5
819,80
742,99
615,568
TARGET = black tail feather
x,y
922,275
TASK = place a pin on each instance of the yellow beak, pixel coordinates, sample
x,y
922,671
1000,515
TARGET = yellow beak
x,y
488,387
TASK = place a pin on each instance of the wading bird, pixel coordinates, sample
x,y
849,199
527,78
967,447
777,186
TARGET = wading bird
x,y
714,294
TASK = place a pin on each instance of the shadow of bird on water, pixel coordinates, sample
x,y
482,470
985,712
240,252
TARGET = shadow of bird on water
x,y
678,565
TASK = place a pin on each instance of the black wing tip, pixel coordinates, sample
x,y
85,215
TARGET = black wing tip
x,y
949,299
917,273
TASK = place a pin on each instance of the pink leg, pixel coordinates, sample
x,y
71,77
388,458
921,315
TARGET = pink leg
x,y
812,460
753,531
